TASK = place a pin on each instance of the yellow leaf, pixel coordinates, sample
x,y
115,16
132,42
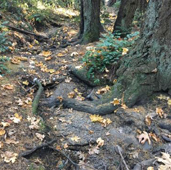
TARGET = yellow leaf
x,y
71,94
46,53
150,168
22,58
18,116
75,138
169,102
60,55
115,101
25,83
51,71
2,132
96,118
125,51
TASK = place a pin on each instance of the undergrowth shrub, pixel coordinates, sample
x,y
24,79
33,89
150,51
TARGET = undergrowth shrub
x,y
107,53
3,68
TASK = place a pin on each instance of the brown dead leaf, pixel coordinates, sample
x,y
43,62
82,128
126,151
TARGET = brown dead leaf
x,y
15,61
46,53
11,141
148,120
60,55
1,145
48,58
143,138
8,87
2,132
160,112
60,98
154,137
9,156
103,90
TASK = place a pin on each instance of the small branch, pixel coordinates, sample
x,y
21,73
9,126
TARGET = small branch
x,y
25,32
37,97
119,151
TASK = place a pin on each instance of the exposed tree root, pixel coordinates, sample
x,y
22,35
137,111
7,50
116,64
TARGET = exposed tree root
x,y
37,97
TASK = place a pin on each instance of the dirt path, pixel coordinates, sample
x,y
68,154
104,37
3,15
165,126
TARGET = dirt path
x,y
81,140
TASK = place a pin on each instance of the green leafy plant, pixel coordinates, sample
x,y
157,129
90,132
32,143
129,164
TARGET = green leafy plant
x,y
107,53
3,68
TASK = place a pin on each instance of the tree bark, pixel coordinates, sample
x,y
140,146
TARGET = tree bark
x,y
146,70
90,20
126,15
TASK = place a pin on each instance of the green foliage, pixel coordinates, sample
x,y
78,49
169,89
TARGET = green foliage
x,y
107,53
3,68
4,42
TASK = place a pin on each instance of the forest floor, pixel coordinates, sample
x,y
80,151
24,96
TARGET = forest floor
x,y
58,138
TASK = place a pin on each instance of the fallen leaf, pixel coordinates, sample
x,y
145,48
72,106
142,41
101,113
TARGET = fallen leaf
x,y
103,90
2,132
68,79
1,145
125,51
165,160
74,54
148,120
96,118
115,101
60,55
25,83
71,94
94,150
9,156
65,146
4,124
60,98
100,142
40,136
8,87
11,141
20,102
154,137
160,112
75,138
143,138
48,58
150,168
15,61
46,53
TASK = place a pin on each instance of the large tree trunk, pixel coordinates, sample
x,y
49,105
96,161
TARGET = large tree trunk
x,y
90,20
126,14
146,70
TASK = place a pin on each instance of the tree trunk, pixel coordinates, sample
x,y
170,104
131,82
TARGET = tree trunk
x,y
146,70
90,20
126,14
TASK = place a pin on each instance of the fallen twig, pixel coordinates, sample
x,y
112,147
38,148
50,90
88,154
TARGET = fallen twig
x,y
123,160
26,32
37,97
